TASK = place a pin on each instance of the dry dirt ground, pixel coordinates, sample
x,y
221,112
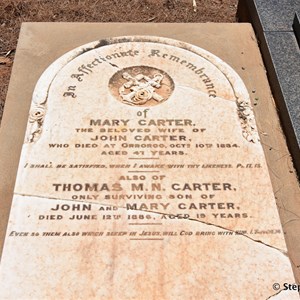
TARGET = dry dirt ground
x,y
14,12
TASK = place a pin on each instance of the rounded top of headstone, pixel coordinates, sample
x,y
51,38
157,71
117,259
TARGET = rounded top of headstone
x,y
144,71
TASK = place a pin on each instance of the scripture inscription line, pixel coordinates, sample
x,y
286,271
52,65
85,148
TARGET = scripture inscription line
x,y
146,239
145,223
143,171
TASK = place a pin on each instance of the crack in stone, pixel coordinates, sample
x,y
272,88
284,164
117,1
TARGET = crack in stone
x,y
199,91
285,209
245,115
275,294
161,213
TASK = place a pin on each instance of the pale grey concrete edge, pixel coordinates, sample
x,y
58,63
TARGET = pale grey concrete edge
x,y
12,131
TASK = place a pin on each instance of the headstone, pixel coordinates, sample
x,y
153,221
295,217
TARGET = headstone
x,y
142,176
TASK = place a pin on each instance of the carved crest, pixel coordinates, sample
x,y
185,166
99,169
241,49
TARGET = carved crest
x,y
141,88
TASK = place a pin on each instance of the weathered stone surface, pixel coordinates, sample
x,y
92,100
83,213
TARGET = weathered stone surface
x,y
187,211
